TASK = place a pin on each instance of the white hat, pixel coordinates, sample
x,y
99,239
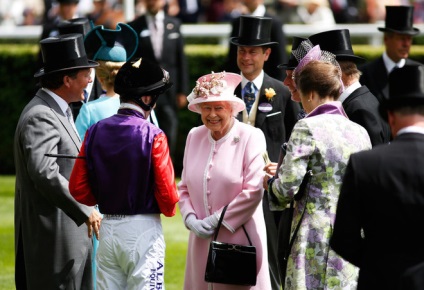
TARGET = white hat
x,y
216,87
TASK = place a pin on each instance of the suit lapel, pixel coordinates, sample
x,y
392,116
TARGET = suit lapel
x,y
261,116
60,116
237,92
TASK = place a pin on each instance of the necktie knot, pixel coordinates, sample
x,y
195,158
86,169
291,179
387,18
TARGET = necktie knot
x,y
249,95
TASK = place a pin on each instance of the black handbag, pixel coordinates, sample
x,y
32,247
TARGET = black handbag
x,y
231,263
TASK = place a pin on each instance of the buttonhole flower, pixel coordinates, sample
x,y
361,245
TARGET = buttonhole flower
x,y
269,94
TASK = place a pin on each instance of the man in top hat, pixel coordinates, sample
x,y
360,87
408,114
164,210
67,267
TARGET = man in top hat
x,y
360,104
126,154
382,197
52,247
257,8
94,89
161,41
398,33
268,107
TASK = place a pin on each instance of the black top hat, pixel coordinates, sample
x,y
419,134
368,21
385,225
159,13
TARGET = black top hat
x,y
63,52
400,19
141,77
338,43
254,31
68,1
406,87
292,63
76,25
117,45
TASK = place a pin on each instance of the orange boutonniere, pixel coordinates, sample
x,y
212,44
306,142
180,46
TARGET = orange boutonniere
x,y
269,94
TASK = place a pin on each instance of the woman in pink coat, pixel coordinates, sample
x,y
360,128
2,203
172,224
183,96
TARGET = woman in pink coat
x,y
223,165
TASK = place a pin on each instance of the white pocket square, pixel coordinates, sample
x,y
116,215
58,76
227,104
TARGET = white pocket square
x,y
145,33
273,114
173,35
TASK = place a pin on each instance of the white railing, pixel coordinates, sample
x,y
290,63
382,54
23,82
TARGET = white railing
x,y
222,31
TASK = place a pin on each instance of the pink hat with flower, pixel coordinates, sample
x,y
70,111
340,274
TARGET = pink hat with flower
x,y
216,87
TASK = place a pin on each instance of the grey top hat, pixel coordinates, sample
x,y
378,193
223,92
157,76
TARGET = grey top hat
x,y
63,52
400,19
406,87
338,43
75,25
254,31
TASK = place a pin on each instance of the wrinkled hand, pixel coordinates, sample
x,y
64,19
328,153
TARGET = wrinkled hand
x,y
271,168
93,223
200,228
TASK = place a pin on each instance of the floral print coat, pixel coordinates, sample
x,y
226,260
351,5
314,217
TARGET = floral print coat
x,y
322,142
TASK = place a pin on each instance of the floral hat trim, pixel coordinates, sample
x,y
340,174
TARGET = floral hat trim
x,y
204,88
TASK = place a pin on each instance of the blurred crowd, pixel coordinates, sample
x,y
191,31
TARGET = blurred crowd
x,y
110,12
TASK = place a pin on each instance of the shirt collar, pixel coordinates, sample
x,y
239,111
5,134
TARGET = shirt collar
x,y
258,81
350,89
61,102
259,11
132,107
411,129
390,64
160,16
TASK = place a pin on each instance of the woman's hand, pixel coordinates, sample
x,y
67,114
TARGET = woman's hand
x,y
271,168
200,228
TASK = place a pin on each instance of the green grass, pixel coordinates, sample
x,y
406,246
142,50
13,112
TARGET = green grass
x,y
176,236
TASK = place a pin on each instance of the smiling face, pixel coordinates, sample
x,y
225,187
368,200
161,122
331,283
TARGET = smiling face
x,y
397,45
217,117
251,59
77,84
290,84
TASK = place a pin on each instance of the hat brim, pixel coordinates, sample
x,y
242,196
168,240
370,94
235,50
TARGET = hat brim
x,y
413,31
90,64
238,104
348,57
239,42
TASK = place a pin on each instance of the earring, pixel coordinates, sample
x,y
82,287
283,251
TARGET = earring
x,y
309,100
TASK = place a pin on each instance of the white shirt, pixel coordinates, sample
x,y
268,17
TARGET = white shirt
x,y
411,129
350,89
390,64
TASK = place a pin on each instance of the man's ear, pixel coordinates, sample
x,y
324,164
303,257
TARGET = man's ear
x,y
267,52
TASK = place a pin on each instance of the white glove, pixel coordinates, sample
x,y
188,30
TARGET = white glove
x,y
212,220
199,227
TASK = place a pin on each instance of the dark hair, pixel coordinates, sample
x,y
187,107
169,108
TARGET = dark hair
x,y
349,68
55,80
321,77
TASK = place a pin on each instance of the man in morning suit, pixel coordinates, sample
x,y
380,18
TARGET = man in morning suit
x,y
381,203
278,56
360,104
268,107
398,33
52,247
161,41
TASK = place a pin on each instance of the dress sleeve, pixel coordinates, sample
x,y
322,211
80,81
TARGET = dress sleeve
x,y
79,185
165,186
295,164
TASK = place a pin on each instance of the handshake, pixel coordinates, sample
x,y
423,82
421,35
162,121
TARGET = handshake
x,y
203,228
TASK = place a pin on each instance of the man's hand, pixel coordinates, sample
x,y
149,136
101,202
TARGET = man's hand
x,y
93,223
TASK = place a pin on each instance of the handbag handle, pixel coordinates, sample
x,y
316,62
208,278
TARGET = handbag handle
x,y
220,222
306,181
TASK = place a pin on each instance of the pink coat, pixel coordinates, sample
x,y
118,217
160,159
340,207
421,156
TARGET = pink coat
x,y
217,173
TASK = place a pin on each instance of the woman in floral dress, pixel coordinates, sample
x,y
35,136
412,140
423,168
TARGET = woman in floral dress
x,y
321,142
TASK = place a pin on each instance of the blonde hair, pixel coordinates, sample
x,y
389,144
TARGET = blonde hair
x,y
107,71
